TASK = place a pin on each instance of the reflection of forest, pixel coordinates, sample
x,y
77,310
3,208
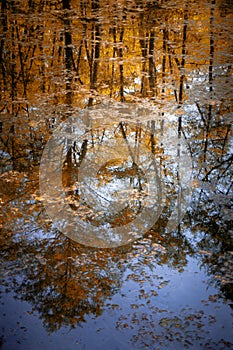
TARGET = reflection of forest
x,y
59,56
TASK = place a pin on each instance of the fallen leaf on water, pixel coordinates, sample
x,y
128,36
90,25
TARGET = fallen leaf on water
x,y
204,252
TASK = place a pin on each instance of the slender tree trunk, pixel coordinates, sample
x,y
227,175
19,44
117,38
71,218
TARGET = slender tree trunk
x,y
68,50
68,65
4,32
113,56
143,33
182,65
13,65
95,52
121,66
152,68
164,62
211,62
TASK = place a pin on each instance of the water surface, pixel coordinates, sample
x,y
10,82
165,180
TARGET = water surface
x,y
148,87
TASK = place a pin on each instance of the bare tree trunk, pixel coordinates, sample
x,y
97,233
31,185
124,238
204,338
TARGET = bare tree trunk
x,y
211,61
113,56
144,46
13,65
152,68
68,65
183,58
4,31
121,67
95,52
68,50
164,62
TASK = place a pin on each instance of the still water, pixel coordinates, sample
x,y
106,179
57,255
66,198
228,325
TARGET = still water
x,y
116,175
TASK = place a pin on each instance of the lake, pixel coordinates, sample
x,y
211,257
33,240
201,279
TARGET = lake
x,y
116,174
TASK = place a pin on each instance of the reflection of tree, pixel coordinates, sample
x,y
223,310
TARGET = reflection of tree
x,y
212,216
63,281
216,247
127,170
136,140
58,55
44,64
66,282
